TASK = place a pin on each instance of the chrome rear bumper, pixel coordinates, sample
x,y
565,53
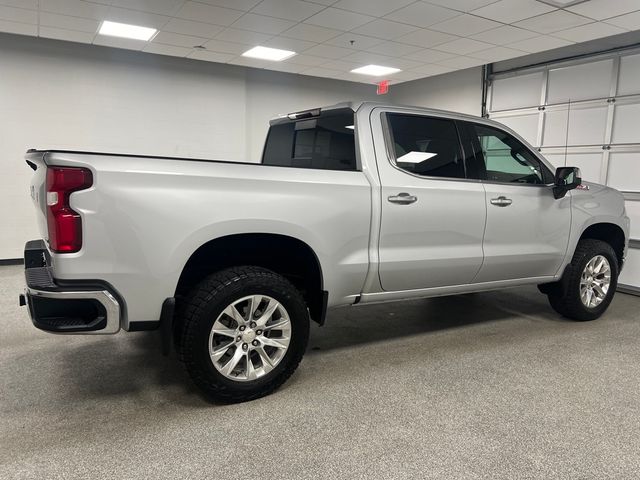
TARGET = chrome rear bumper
x,y
78,307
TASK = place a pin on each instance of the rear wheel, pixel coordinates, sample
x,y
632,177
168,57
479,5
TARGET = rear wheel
x,y
243,333
589,282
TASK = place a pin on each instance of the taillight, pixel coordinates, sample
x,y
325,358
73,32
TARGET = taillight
x,y
65,225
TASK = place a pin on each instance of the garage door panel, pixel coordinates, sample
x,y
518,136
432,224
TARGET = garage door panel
x,y
629,74
625,123
580,82
587,125
525,125
521,91
590,164
631,271
624,171
633,211
555,128
556,159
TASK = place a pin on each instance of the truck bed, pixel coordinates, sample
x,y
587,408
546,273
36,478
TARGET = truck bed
x,y
144,216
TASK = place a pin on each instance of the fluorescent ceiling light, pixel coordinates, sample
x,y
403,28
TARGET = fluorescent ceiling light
x,y
123,30
375,70
266,53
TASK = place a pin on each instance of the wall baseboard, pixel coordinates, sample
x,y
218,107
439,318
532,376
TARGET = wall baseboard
x,y
11,261
630,289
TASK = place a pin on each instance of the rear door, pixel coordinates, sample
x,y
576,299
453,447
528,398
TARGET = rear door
x,y
432,215
527,229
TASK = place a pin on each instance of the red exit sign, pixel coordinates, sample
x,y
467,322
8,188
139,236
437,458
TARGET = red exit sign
x,y
383,87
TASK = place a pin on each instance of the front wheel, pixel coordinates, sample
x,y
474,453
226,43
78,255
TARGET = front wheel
x,y
589,282
244,332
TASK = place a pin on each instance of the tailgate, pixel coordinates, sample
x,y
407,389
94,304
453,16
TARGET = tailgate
x,y
37,188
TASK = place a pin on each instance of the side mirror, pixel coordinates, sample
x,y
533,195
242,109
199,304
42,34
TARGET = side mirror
x,y
567,178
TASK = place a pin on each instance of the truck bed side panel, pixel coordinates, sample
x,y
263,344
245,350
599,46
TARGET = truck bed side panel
x,y
144,217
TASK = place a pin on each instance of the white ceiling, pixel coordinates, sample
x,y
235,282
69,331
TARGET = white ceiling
x,y
422,38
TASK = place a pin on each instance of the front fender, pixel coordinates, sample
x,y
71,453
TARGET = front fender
x,y
597,205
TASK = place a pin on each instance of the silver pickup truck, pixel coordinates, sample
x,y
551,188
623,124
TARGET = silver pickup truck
x,y
351,204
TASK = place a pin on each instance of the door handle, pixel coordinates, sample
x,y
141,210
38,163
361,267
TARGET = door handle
x,y
501,201
402,198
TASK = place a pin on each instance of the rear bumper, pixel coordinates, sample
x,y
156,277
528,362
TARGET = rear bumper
x,y
78,307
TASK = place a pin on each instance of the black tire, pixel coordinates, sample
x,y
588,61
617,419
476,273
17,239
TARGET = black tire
x,y
202,307
565,297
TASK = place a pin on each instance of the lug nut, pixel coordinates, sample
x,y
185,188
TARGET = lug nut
x,y
254,343
245,346
252,324
258,332
238,338
242,327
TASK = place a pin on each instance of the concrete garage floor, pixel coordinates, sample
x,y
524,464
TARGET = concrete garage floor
x,y
491,385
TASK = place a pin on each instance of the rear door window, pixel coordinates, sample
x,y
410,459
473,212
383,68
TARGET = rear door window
x,y
426,146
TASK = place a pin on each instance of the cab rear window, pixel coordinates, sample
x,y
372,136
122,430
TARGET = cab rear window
x,y
326,142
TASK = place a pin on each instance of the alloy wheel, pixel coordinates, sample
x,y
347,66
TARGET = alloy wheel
x,y
595,281
249,338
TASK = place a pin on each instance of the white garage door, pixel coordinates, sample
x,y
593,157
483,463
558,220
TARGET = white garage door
x,y
586,114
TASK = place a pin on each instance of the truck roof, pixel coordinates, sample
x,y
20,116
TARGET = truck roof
x,y
357,105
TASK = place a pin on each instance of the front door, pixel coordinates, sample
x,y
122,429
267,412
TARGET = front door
x,y
527,229
432,216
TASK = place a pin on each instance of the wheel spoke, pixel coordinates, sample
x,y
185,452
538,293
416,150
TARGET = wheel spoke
x,y
220,329
599,291
251,371
254,303
598,265
275,342
218,352
272,306
266,360
233,312
233,362
589,297
278,323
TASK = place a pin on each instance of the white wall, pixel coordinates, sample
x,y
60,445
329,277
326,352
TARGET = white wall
x,y
70,96
460,91
79,97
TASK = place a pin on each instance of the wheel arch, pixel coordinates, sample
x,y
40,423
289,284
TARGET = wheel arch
x,y
288,256
599,229
610,233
